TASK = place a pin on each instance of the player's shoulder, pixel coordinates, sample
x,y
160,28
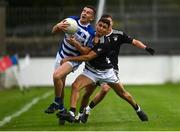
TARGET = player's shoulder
x,y
91,29
118,32
74,17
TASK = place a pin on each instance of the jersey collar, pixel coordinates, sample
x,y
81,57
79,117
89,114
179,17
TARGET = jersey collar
x,y
82,24
109,33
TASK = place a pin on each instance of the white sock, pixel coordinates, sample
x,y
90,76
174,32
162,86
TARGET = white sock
x,y
72,113
88,109
139,109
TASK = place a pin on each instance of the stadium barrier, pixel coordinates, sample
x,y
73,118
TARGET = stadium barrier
x,y
133,70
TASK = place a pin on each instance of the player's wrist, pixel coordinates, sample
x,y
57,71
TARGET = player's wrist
x,y
150,50
146,47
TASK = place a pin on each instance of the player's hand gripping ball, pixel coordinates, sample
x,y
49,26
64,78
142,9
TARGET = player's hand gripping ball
x,y
73,26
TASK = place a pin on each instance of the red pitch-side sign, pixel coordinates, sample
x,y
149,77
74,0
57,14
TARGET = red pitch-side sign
x,y
5,63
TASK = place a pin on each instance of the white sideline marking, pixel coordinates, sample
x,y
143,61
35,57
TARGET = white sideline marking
x,y
24,109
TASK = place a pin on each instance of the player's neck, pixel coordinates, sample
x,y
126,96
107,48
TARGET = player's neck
x,y
83,23
109,32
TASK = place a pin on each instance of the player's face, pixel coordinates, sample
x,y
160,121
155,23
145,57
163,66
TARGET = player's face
x,y
101,29
87,15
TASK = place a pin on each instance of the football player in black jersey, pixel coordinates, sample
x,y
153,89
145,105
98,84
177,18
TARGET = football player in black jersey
x,y
122,38
99,69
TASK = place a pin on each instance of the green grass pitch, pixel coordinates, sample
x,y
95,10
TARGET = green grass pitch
x,y
160,102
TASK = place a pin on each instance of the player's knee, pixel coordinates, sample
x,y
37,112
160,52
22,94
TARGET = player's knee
x,y
105,89
55,76
75,87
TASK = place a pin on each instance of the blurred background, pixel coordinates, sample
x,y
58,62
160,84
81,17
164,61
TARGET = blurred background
x,y
27,56
25,29
29,23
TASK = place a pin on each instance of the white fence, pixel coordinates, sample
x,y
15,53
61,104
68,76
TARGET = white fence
x,y
133,70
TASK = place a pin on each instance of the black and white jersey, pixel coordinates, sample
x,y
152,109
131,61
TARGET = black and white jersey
x,y
101,62
117,38
108,51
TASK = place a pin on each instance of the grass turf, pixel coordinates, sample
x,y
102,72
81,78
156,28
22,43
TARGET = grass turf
x,y
160,102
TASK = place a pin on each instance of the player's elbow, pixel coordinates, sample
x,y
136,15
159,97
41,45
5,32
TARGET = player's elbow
x,y
55,29
52,31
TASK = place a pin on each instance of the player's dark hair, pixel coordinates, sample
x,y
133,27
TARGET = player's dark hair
x,y
104,20
92,8
106,16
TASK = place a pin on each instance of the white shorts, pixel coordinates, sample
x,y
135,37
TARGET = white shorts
x,y
116,73
58,59
106,76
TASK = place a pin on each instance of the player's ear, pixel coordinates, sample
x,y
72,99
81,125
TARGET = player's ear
x,y
112,23
92,18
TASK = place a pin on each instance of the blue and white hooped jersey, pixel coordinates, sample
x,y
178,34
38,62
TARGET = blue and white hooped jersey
x,y
84,35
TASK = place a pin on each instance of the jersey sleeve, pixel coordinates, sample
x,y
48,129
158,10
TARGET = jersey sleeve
x,y
74,17
92,34
126,38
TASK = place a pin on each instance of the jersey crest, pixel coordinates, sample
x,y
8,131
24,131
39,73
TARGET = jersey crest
x,y
115,38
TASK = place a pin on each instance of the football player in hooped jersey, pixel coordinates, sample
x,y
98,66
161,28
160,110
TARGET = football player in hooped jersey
x,y
84,37
116,38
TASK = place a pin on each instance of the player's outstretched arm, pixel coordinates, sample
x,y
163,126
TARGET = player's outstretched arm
x,y
139,44
91,55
